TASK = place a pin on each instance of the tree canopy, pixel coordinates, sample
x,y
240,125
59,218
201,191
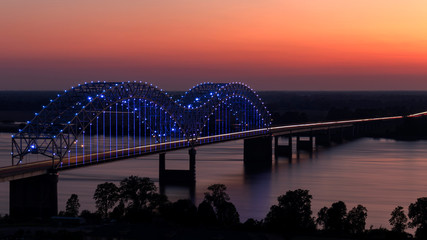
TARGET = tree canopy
x,y
106,196
293,213
226,212
398,219
333,218
418,215
356,219
137,192
72,206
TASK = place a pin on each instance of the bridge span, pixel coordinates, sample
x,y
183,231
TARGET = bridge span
x,y
100,122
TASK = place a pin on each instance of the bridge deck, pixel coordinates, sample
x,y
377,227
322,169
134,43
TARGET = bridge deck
x,y
41,167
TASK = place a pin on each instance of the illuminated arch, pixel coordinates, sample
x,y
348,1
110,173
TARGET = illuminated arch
x,y
58,125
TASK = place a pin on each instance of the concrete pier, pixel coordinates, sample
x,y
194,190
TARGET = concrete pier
x,y
305,143
178,176
283,150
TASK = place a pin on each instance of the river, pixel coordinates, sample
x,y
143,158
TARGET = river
x,y
377,173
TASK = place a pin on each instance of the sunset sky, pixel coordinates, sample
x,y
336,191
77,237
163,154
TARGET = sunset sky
x,y
270,44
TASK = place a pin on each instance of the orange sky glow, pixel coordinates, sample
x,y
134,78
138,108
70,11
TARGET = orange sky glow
x,y
271,45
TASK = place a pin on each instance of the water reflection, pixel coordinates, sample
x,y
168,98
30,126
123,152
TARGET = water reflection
x,y
379,174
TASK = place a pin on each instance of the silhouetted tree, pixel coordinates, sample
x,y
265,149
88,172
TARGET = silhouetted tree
x,y
356,219
206,214
293,213
119,211
418,215
106,196
333,218
322,217
217,194
226,212
141,199
137,192
72,206
158,203
398,219
184,212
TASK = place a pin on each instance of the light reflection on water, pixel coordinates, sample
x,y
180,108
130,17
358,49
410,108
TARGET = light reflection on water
x,y
379,174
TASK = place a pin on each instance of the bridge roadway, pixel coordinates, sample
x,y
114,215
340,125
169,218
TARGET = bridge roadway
x,y
26,170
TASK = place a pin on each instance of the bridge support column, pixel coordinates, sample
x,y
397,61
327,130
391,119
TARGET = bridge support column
x,y
192,167
283,150
178,176
162,165
34,197
185,178
258,150
306,145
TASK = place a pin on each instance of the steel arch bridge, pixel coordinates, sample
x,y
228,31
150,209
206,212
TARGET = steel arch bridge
x,y
101,121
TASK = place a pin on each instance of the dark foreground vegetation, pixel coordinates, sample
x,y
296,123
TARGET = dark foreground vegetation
x,y
134,210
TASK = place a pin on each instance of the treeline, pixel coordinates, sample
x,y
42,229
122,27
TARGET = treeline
x,y
136,200
306,106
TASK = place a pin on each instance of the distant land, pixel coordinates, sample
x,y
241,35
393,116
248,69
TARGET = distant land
x,y
286,107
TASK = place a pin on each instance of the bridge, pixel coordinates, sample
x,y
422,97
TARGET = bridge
x,y
99,122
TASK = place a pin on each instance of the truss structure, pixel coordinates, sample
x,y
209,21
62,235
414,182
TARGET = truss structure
x,y
204,110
